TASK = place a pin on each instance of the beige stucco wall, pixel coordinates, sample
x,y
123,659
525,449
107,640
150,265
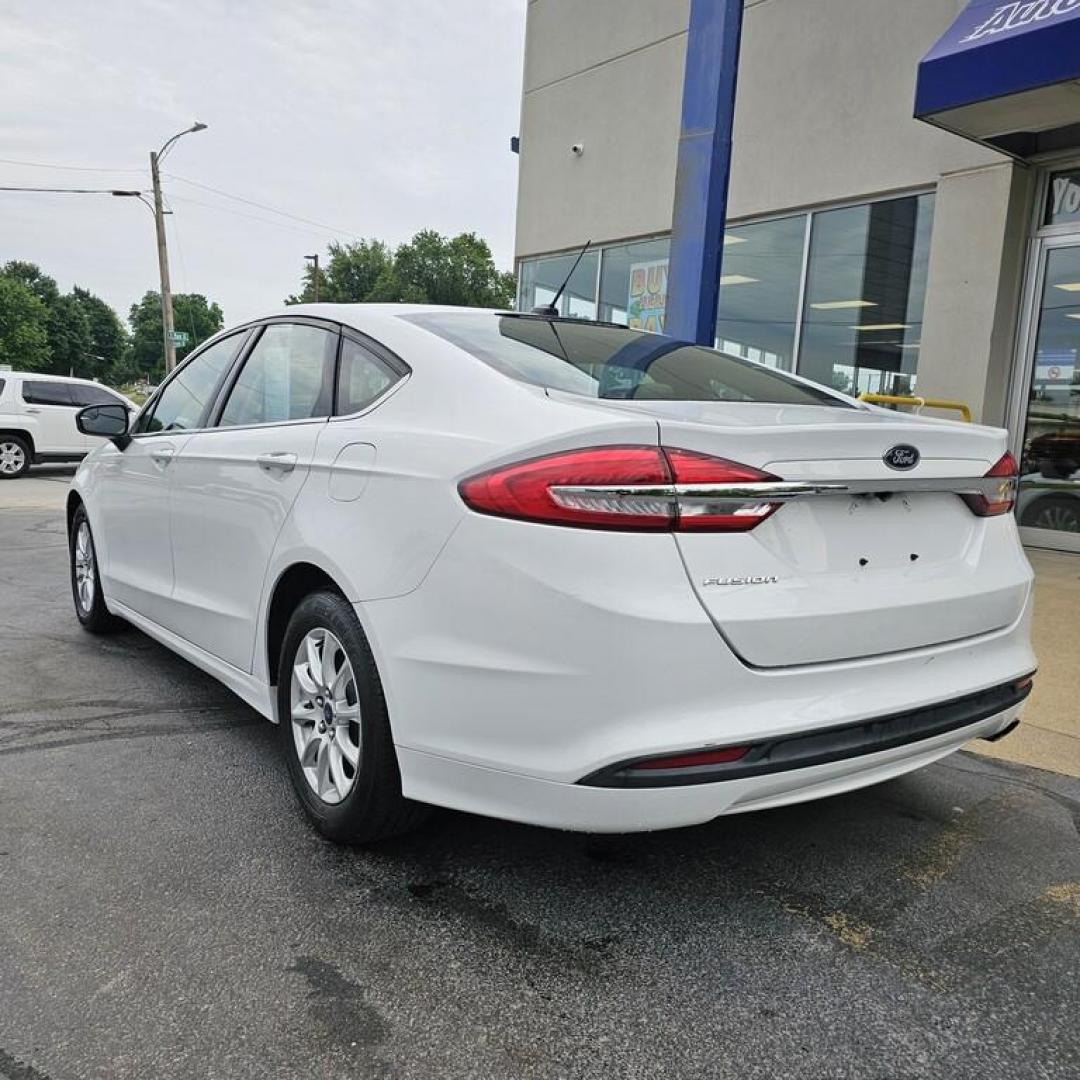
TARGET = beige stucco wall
x,y
823,115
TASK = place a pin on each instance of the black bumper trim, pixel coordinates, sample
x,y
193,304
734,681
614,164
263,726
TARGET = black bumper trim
x,y
822,746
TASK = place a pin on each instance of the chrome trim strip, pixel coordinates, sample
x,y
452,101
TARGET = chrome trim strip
x,y
785,490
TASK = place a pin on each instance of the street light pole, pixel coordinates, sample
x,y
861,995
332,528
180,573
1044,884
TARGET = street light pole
x,y
162,250
314,259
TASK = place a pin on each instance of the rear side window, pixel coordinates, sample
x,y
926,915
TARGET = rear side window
x,y
183,400
40,392
2,385
601,361
287,376
362,378
89,394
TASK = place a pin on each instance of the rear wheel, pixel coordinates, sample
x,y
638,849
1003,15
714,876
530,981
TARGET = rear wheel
x,y
334,727
85,580
14,457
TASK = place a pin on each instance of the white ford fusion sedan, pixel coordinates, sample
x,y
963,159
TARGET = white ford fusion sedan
x,y
552,571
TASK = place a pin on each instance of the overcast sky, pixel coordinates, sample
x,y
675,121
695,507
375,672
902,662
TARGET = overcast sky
x,y
375,118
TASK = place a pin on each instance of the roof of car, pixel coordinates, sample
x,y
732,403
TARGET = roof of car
x,y
48,376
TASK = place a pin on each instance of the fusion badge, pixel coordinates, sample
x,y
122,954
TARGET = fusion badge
x,y
770,579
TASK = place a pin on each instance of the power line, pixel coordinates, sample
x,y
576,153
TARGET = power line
x,y
66,168
250,217
72,190
262,206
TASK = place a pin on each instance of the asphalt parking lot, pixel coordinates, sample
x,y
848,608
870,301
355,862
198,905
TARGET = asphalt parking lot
x,y
166,912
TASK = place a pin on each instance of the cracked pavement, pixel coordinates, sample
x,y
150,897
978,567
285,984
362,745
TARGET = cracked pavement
x,y
165,911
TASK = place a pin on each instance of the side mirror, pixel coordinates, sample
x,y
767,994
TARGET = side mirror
x,y
108,421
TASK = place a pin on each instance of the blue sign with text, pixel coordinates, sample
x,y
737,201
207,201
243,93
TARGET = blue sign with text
x,y
996,48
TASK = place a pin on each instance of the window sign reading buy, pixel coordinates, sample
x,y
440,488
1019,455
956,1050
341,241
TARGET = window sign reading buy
x,y
648,296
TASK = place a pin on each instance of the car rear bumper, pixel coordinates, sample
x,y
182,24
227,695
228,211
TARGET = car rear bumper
x,y
531,658
579,807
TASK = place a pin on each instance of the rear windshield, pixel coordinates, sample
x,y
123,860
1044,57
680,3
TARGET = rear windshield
x,y
601,361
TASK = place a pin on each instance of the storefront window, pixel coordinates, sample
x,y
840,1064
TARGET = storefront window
x,y
861,291
541,278
633,284
758,309
1050,464
1063,199
865,288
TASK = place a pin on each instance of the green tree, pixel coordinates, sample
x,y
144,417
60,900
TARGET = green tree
x,y
348,275
108,339
24,338
192,313
429,269
32,276
69,337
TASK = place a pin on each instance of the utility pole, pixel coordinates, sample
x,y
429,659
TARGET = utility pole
x,y
314,259
163,266
162,251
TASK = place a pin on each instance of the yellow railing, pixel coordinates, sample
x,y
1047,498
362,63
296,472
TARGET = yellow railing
x,y
919,403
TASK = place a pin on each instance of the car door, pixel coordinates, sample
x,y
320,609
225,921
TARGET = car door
x,y
132,504
235,483
53,409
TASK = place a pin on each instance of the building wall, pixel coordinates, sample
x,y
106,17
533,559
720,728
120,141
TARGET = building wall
x,y
823,116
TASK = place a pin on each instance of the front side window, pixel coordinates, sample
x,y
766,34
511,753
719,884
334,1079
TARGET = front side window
x,y
41,392
183,400
611,362
363,377
287,376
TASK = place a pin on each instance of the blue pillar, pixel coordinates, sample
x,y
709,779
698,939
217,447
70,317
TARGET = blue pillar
x,y
701,180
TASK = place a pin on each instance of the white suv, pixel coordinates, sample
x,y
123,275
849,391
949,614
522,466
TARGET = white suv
x,y
37,419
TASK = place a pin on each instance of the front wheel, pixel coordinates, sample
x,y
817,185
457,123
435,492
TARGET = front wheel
x,y
85,579
335,730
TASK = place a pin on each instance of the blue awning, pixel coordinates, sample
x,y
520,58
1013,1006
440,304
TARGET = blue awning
x,y
1008,75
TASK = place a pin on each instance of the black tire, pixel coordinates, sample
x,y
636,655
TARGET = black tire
x,y
94,617
16,451
374,808
1059,512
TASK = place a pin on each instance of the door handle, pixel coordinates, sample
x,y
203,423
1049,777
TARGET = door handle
x,y
162,455
280,462
31,410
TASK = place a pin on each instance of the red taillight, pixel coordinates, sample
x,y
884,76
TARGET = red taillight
x,y
701,514
531,490
689,761
622,487
1001,500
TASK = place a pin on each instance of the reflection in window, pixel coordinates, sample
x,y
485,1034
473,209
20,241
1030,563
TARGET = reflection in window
x,y
541,279
865,287
759,291
633,284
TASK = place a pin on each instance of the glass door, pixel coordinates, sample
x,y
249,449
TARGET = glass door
x,y
1048,506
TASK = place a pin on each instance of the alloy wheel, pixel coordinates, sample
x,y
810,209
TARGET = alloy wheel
x,y
1058,517
325,715
12,458
85,576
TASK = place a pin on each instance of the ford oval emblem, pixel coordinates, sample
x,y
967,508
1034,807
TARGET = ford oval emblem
x,y
902,457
